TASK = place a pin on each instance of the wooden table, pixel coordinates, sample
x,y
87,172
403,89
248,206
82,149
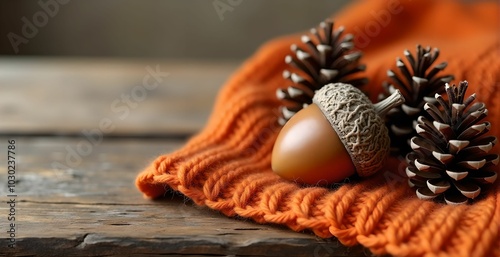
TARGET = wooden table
x,y
75,194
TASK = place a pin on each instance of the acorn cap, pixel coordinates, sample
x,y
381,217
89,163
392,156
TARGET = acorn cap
x,y
358,123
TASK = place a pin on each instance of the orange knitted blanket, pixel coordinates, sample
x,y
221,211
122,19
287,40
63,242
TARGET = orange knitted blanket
x,y
227,165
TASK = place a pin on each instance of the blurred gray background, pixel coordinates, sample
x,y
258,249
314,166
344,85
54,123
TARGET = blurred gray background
x,y
191,29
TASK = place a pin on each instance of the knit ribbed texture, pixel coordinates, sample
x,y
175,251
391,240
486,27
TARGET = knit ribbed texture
x,y
227,165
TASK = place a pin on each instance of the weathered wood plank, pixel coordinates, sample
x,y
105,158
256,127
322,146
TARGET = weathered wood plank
x,y
164,228
66,96
92,209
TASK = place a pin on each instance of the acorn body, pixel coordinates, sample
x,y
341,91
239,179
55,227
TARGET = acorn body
x,y
340,134
310,157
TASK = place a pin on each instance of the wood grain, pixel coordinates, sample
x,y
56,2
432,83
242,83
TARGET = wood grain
x,y
65,96
93,209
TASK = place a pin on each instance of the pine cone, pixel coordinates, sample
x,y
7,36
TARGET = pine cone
x,y
450,154
418,85
330,59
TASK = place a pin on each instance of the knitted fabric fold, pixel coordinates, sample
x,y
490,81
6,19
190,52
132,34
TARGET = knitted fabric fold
x,y
226,166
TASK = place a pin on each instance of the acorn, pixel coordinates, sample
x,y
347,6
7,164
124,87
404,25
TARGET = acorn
x,y
340,134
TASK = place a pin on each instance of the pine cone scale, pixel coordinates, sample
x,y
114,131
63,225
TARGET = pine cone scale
x,y
491,160
406,73
413,172
437,69
487,177
427,165
443,157
328,74
456,146
457,175
425,193
324,52
475,131
410,111
438,186
474,165
434,112
467,188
